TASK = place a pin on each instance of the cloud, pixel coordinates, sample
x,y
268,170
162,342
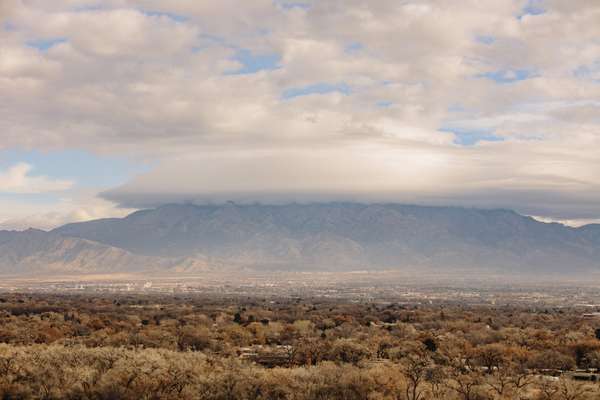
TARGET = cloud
x,y
421,101
382,171
74,206
6,10
18,180
575,223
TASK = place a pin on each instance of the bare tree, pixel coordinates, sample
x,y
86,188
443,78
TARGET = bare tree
x,y
415,368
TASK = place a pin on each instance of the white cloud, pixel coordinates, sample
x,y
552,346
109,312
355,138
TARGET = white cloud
x,y
18,180
82,205
575,223
148,78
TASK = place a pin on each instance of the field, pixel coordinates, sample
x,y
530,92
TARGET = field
x,y
107,344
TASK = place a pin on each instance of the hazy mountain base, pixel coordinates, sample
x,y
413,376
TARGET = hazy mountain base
x,y
187,239
39,253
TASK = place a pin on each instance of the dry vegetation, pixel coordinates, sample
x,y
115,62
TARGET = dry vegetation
x,y
150,347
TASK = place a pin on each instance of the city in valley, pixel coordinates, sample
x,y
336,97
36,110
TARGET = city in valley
x,y
298,336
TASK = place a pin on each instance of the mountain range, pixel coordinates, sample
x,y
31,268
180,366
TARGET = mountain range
x,y
179,238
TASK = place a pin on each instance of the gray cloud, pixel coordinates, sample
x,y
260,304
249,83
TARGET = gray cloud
x,y
380,172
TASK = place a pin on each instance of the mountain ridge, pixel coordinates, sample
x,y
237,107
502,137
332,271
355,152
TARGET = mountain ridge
x,y
342,236
185,238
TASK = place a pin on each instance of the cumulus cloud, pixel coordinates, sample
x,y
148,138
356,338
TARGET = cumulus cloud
x,y
471,103
83,205
18,180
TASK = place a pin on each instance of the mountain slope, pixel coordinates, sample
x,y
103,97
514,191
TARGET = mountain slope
x,y
338,236
38,252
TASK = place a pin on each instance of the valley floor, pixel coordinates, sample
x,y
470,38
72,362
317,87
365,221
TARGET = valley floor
x,y
103,340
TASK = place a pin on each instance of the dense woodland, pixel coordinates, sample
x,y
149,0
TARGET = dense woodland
x,y
194,347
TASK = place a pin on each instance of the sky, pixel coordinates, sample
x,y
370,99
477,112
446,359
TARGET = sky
x,y
111,106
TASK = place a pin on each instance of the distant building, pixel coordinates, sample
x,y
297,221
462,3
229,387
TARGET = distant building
x,y
268,356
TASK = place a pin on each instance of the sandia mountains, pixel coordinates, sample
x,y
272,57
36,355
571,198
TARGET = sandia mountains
x,y
327,236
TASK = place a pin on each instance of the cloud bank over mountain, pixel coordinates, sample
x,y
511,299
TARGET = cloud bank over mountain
x,y
489,104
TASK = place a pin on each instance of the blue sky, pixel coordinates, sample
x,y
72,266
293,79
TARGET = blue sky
x,y
485,39
45,44
354,47
509,76
84,168
174,17
253,63
464,137
384,103
533,7
289,5
317,88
